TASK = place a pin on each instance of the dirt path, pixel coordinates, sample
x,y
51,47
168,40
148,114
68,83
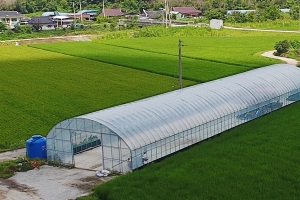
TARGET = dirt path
x,y
262,30
11,155
270,54
84,38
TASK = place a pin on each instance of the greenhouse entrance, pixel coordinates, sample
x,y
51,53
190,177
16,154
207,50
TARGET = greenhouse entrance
x,y
87,150
90,159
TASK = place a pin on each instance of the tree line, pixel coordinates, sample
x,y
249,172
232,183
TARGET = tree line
x,y
263,9
30,6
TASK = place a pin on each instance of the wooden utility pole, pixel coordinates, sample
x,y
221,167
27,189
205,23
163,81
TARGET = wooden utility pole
x,y
180,65
103,8
299,16
166,13
74,16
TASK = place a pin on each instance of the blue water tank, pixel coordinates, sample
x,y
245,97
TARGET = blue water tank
x,y
36,147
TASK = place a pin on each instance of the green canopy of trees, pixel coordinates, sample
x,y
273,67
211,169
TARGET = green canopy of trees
x,y
264,9
26,6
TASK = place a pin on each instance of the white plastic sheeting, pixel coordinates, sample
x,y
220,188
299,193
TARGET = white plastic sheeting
x,y
132,131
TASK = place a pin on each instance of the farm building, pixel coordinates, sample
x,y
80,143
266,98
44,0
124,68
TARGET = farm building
x,y
216,23
44,22
10,18
137,133
187,11
114,12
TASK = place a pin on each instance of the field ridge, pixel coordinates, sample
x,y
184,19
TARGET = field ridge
x,y
121,65
184,56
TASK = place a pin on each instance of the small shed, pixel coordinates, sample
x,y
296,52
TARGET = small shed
x,y
216,23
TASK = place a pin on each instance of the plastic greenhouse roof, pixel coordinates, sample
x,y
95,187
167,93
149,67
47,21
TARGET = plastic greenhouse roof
x,y
145,121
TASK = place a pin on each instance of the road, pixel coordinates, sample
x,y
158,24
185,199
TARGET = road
x,y
270,54
263,30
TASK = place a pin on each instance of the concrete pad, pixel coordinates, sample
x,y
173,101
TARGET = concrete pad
x,y
49,183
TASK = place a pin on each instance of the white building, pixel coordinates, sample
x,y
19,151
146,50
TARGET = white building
x,y
10,18
216,23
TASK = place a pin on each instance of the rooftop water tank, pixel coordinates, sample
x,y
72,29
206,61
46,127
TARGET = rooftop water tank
x,y
36,147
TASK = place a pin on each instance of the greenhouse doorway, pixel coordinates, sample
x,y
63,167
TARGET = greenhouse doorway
x,y
87,150
90,159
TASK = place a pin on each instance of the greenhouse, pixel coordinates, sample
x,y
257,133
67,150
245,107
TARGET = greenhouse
x,y
137,133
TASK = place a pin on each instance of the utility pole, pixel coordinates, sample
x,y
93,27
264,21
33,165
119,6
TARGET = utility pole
x,y
103,8
180,65
299,16
74,16
166,13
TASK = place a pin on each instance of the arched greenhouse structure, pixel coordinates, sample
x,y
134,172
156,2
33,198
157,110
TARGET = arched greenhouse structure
x,y
136,133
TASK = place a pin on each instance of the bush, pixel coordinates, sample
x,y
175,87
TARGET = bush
x,y
8,168
23,29
2,27
295,44
282,47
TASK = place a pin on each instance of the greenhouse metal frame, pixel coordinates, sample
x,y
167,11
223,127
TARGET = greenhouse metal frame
x,y
137,133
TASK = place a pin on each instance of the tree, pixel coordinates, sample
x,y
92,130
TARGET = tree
x,y
2,27
294,12
23,29
251,16
272,12
236,17
130,5
215,14
282,47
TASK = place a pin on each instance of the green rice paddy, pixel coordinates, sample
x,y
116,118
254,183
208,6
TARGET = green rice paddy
x,y
203,58
156,62
41,88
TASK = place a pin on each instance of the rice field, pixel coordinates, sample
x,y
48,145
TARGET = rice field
x,y
203,58
194,69
232,50
41,88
